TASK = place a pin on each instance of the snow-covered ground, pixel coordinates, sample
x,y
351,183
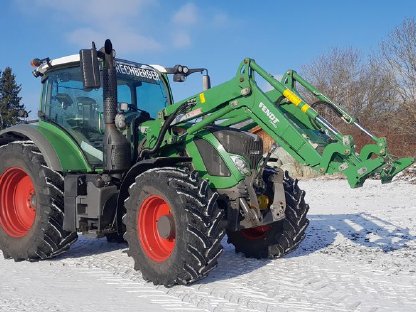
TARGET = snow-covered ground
x,y
359,255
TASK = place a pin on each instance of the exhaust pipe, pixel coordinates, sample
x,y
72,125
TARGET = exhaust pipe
x,y
116,148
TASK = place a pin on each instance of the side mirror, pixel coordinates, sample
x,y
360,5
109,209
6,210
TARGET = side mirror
x,y
206,82
180,72
90,68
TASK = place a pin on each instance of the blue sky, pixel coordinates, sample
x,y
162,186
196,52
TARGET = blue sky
x,y
212,34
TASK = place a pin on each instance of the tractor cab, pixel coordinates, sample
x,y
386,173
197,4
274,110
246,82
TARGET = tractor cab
x,y
142,91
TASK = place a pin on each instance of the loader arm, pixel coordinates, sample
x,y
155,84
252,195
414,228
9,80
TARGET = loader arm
x,y
284,115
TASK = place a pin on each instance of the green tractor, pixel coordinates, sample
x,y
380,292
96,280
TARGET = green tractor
x,y
112,154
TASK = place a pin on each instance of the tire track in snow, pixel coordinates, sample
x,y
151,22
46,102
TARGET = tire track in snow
x,y
302,282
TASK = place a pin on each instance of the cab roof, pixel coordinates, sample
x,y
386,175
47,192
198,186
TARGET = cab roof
x,y
73,59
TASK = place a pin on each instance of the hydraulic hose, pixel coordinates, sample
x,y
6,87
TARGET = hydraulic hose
x,y
164,129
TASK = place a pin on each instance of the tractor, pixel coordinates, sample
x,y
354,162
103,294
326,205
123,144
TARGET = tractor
x,y
112,155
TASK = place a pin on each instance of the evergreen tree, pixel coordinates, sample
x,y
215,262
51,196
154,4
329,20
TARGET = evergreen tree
x,y
9,99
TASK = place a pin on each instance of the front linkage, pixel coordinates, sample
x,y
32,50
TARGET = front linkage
x,y
289,120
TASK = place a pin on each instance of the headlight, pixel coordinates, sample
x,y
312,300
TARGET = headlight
x,y
241,164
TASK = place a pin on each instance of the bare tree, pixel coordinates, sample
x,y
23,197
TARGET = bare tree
x,y
379,90
366,88
399,53
337,74
363,88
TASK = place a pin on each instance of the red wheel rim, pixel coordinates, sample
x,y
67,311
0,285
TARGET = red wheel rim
x,y
154,245
17,207
256,233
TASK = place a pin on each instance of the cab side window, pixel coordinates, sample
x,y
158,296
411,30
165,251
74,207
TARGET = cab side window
x,y
76,110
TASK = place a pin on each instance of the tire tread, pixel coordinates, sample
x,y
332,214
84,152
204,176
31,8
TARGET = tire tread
x,y
204,230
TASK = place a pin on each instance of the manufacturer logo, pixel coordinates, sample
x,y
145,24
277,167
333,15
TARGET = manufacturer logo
x,y
273,119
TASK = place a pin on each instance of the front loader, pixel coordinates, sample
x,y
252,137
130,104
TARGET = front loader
x,y
112,154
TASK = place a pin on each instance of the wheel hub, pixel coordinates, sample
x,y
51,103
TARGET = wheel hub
x,y
32,199
166,226
156,228
17,202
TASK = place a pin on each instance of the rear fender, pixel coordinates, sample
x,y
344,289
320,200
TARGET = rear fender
x,y
60,152
27,132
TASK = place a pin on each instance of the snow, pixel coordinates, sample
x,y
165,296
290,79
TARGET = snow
x,y
409,174
359,255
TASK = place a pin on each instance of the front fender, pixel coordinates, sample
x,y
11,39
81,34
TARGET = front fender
x,y
134,171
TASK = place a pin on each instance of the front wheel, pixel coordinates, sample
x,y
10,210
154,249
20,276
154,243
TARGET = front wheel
x,y
279,238
173,226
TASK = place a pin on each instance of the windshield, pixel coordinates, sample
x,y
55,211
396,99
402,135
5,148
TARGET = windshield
x,y
141,87
80,111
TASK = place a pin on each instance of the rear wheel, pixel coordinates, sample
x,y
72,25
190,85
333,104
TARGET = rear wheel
x,y
173,226
279,238
31,205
